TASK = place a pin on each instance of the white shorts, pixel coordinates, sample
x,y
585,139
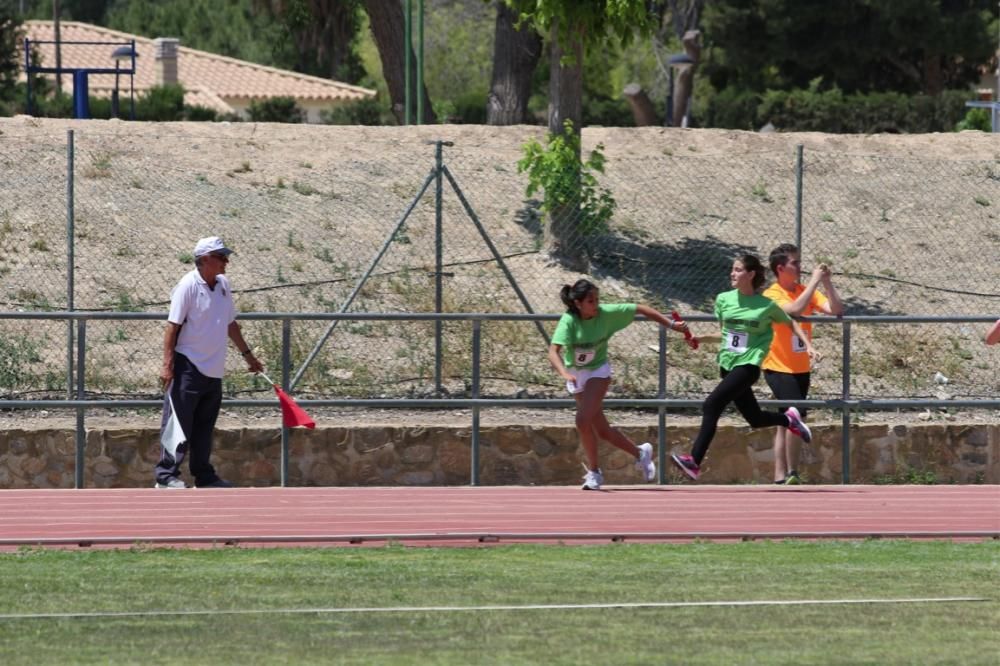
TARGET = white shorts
x,y
582,375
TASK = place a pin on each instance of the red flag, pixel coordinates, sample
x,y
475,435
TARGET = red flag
x,y
291,414
690,339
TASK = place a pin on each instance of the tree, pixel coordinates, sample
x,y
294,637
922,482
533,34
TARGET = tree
x,y
323,32
386,19
684,82
681,15
679,20
907,46
10,54
572,26
516,52
228,28
310,36
88,11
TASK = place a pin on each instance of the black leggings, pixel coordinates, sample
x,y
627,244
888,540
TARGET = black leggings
x,y
737,388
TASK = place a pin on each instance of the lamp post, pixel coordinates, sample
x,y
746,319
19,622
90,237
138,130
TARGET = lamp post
x,y
121,53
675,61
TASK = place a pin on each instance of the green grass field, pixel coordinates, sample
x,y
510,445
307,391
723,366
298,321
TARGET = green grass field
x,y
156,581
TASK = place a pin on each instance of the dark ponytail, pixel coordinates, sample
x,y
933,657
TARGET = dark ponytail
x,y
577,292
752,263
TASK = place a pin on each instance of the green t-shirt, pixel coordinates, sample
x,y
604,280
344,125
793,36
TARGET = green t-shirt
x,y
585,341
746,327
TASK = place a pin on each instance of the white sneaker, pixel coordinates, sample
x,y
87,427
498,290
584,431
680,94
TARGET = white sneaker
x,y
173,483
645,462
592,480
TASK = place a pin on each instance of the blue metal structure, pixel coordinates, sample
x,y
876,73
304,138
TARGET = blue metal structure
x,y
81,88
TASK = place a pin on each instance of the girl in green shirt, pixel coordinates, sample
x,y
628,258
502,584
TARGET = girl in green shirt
x,y
579,353
745,317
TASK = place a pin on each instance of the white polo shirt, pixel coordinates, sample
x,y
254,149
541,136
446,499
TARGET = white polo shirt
x,y
204,315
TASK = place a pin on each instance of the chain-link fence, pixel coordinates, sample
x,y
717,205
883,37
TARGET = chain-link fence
x,y
317,229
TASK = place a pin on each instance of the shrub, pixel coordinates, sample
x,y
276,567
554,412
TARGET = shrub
x,y
470,109
565,180
732,108
17,353
815,110
975,119
199,113
467,109
605,111
276,110
159,103
56,106
367,111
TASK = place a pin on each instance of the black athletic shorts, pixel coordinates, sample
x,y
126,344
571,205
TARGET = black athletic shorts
x,y
787,386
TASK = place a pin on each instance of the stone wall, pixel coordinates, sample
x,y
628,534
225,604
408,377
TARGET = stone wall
x,y
509,455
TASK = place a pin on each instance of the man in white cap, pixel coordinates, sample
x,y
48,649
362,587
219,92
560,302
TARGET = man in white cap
x,y
202,317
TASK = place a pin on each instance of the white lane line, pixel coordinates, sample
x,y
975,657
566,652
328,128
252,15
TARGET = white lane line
x,y
455,609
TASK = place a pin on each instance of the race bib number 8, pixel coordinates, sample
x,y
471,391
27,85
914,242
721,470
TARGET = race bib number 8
x,y
797,344
582,356
737,341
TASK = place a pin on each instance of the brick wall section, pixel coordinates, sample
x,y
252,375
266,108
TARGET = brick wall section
x,y
542,455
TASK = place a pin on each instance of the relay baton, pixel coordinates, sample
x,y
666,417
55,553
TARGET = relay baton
x,y
688,338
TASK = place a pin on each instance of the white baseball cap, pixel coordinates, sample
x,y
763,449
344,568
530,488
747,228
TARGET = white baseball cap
x,y
210,245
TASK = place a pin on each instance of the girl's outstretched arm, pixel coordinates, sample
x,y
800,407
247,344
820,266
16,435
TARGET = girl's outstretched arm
x,y
660,318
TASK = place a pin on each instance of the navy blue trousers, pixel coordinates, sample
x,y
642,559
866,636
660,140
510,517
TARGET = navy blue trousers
x,y
197,400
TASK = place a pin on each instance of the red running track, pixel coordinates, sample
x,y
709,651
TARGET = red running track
x,y
467,515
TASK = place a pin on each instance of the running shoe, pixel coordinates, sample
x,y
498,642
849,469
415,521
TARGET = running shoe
x,y
793,479
645,462
592,480
218,483
687,465
796,426
173,483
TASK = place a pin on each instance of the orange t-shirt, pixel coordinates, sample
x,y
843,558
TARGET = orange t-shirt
x,y
788,354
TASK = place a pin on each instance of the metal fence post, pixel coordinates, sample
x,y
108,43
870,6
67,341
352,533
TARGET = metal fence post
x,y
492,248
476,348
661,420
419,91
845,394
81,432
286,367
798,197
438,262
407,58
70,260
361,282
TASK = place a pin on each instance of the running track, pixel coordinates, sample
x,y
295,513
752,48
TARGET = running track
x,y
466,515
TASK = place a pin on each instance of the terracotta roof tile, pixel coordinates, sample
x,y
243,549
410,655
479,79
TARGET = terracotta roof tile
x,y
208,78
